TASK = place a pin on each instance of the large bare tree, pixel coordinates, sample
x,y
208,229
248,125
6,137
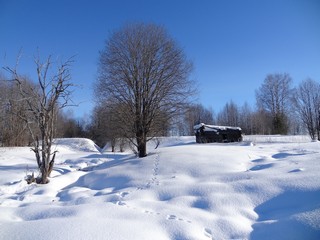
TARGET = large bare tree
x,y
42,102
144,79
306,101
274,97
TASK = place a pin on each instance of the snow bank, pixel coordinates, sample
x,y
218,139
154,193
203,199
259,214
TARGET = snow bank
x,y
181,190
77,144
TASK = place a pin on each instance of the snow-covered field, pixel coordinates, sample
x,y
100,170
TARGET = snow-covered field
x,y
267,187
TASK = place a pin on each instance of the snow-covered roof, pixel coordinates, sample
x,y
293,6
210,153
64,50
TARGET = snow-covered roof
x,y
214,127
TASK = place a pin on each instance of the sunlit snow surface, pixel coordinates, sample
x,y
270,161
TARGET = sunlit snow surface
x,y
267,187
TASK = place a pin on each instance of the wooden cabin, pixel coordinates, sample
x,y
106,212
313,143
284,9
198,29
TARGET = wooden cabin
x,y
210,133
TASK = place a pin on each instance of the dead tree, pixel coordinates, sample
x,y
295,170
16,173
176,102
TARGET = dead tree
x,y
43,101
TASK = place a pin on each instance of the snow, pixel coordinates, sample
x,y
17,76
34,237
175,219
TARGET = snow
x,y
267,187
214,128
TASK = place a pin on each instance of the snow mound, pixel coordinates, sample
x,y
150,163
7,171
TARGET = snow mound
x,y
77,144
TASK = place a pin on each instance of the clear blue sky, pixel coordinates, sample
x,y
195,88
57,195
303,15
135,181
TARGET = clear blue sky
x,y
234,44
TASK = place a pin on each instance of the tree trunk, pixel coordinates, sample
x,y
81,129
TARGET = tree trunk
x,y
44,176
141,144
142,148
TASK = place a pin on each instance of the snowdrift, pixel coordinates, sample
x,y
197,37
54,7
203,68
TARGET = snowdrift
x,y
77,144
182,190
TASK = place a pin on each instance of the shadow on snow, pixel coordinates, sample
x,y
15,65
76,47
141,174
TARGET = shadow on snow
x,y
99,178
279,217
285,155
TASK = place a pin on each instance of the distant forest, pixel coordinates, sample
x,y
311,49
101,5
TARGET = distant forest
x,y
296,111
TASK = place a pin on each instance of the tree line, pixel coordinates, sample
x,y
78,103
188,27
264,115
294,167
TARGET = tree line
x,y
300,115
280,109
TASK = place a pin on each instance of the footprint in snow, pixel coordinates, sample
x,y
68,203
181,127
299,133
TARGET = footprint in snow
x,y
174,217
171,217
151,213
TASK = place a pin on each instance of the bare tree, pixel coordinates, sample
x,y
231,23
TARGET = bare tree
x,y
42,101
246,119
274,97
229,115
195,114
104,127
262,122
307,103
143,79
13,130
